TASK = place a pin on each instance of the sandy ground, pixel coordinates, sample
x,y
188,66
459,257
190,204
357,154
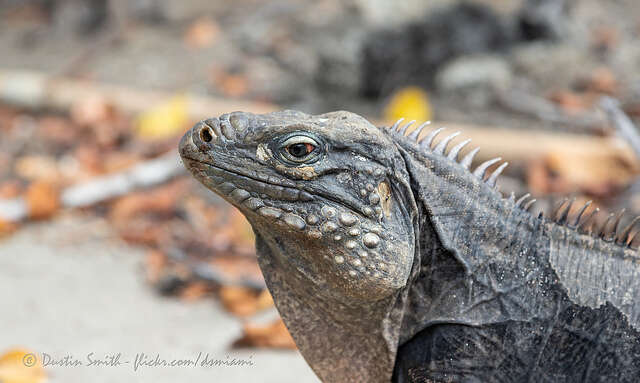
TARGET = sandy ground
x,y
68,288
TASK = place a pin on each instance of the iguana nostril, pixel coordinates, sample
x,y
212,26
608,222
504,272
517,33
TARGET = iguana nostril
x,y
206,134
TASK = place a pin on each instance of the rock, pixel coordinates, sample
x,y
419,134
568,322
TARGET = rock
x,y
393,58
540,63
81,17
384,13
474,71
338,62
543,19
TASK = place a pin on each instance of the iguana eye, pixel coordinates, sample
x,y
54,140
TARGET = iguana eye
x,y
299,148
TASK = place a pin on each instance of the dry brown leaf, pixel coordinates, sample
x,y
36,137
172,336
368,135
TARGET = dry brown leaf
x,y
43,200
10,189
109,134
58,131
200,213
7,116
265,300
570,102
37,168
605,37
6,228
238,230
142,231
633,109
562,173
234,85
194,291
601,80
159,201
92,110
273,335
155,262
236,267
598,176
230,84
538,177
89,157
21,366
120,161
243,301
32,13
202,33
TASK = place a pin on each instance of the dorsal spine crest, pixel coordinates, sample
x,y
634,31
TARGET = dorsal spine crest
x,y
609,231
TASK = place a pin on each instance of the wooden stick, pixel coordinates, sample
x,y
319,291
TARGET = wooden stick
x,y
517,146
40,91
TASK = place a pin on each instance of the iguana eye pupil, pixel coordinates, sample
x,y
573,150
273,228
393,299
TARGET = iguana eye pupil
x,y
300,150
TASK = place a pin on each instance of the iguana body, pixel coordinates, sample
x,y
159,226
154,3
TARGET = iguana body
x,y
389,259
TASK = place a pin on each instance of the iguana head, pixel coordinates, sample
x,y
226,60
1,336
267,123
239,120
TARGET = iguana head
x,y
326,193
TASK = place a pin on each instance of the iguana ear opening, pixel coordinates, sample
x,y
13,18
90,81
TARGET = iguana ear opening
x,y
384,191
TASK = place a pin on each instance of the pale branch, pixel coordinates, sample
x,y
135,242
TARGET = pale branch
x,y
39,91
621,122
99,189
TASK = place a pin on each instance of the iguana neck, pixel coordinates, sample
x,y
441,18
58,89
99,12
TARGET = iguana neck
x,y
485,260
476,251
342,342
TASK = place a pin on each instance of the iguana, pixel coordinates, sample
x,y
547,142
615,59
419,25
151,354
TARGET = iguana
x,y
389,259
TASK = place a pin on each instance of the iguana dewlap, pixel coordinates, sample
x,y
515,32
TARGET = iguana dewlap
x,y
389,259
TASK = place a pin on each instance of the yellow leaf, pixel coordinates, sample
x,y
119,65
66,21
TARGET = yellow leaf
x,y
21,366
410,103
165,120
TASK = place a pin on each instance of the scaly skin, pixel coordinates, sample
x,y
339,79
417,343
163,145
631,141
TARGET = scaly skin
x,y
390,261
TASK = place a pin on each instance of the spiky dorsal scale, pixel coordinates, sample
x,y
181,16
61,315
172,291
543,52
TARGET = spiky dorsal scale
x,y
442,145
493,178
584,208
559,215
453,153
481,170
466,161
529,204
395,126
403,130
476,225
623,237
522,199
417,131
426,142
586,226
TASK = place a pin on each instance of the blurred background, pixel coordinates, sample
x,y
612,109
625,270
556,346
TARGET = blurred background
x,y
108,247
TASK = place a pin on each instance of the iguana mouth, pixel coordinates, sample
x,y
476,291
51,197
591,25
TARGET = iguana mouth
x,y
239,186
256,178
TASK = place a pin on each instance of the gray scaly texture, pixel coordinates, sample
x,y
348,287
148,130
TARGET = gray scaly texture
x,y
389,259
